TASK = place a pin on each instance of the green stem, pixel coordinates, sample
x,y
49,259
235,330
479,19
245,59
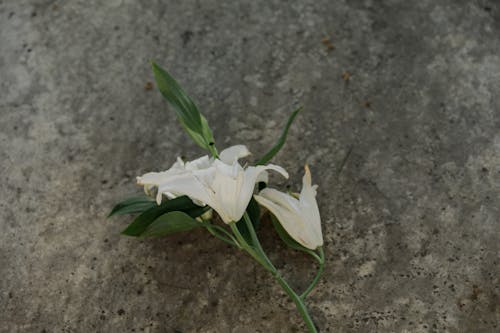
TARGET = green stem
x,y
318,274
298,300
227,233
222,238
216,231
245,246
319,259
213,150
256,243
299,303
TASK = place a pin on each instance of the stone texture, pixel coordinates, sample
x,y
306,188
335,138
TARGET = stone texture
x,y
405,148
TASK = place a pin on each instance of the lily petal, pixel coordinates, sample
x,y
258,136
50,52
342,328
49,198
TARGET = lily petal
x,y
188,184
233,154
289,219
300,218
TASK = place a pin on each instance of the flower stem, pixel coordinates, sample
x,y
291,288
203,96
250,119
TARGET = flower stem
x,y
213,150
256,242
245,246
221,233
299,303
298,300
318,274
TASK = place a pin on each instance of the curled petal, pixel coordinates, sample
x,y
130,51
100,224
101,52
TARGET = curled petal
x,y
233,154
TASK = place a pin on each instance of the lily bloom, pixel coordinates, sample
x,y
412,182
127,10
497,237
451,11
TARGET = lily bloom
x,y
299,217
223,183
151,180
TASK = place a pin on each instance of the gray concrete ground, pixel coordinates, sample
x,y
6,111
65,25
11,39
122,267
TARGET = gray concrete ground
x,y
403,94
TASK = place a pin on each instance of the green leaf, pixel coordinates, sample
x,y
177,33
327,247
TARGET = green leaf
x,y
285,237
133,205
141,222
281,141
191,119
253,211
171,223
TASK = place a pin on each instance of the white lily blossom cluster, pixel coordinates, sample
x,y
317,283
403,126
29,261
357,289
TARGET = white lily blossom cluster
x,y
189,192
227,187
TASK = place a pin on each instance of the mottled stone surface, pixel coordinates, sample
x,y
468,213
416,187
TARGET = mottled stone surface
x,y
401,129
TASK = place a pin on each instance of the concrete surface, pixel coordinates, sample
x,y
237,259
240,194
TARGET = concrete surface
x,y
411,220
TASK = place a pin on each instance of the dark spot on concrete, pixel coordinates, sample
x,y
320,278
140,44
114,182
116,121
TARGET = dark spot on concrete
x,y
121,312
475,293
186,37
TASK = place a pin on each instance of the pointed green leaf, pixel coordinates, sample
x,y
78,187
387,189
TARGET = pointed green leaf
x,y
171,223
133,205
281,141
141,222
191,119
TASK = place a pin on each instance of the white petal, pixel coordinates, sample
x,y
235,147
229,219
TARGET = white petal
x,y
226,185
179,164
155,178
300,218
309,208
263,177
187,184
233,154
246,185
199,163
290,220
282,199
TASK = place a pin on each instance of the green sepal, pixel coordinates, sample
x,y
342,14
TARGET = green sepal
x,y
183,204
281,141
132,205
190,118
170,223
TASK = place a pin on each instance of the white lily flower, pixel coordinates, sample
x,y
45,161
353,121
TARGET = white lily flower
x,y
299,217
223,184
151,179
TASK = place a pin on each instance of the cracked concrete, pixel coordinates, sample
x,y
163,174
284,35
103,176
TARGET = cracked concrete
x,y
403,95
